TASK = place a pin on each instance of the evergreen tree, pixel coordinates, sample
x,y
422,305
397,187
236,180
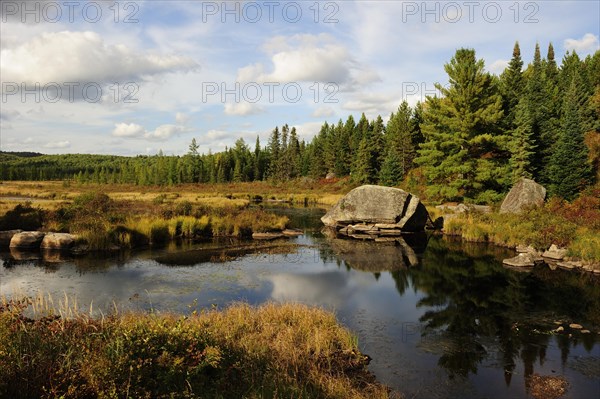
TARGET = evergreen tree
x,y
274,154
392,169
569,169
550,123
364,171
512,87
462,154
535,97
521,145
400,138
294,155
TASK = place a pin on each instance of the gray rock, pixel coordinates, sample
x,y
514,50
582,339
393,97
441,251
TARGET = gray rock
x,y
555,253
58,241
6,236
27,240
521,260
330,176
534,254
525,193
463,208
378,205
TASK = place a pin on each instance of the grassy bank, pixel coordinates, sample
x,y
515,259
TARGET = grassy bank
x,y
575,226
102,222
270,351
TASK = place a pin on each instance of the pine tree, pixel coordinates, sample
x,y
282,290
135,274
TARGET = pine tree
x,y
462,154
569,169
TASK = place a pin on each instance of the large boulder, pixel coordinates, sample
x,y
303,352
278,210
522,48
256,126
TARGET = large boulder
x,y
58,241
27,240
389,207
525,193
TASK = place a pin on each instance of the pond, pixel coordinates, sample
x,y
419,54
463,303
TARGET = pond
x,y
440,318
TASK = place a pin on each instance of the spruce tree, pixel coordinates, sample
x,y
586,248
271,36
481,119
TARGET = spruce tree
x,y
400,138
521,146
391,170
535,97
569,169
512,87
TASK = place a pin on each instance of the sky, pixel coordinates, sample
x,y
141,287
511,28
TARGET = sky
x,y
137,77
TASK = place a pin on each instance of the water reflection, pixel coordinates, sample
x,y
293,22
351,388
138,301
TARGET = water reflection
x,y
425,308
375,257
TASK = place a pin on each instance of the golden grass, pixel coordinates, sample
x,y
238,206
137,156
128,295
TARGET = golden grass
x,y
273,350
214,195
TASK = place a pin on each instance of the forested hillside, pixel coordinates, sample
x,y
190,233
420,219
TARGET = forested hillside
x,y
472,142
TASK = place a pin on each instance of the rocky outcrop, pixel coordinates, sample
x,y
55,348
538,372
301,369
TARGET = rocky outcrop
x,y
27,240
372,211
555,253
525,193
6,236
58,241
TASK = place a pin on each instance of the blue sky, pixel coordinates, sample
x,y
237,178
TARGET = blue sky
x,y
133,77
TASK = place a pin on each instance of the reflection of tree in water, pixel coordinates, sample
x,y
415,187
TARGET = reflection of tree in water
x,y
473,300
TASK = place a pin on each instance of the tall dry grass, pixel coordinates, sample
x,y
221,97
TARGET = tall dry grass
x,y
276,351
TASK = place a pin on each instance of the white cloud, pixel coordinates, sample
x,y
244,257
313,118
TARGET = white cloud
x,y
160,133
82,57
242,109
308,130
164,132
373,104
323,112
181,118
216,134
128,130
307,58
587,44
58,144
498,66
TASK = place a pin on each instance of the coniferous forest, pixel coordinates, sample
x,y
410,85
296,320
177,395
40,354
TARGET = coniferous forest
x,y
472,142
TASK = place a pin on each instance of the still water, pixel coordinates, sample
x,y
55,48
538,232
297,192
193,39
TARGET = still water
x,y
440,319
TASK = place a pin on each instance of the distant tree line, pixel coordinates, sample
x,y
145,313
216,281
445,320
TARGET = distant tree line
x,y
472,142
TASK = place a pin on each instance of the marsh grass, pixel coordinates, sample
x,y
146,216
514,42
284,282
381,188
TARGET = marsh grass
x,y
283,351
575,226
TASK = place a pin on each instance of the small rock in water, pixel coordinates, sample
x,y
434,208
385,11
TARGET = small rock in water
x,y
585,331
575,326
521,260
560,329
